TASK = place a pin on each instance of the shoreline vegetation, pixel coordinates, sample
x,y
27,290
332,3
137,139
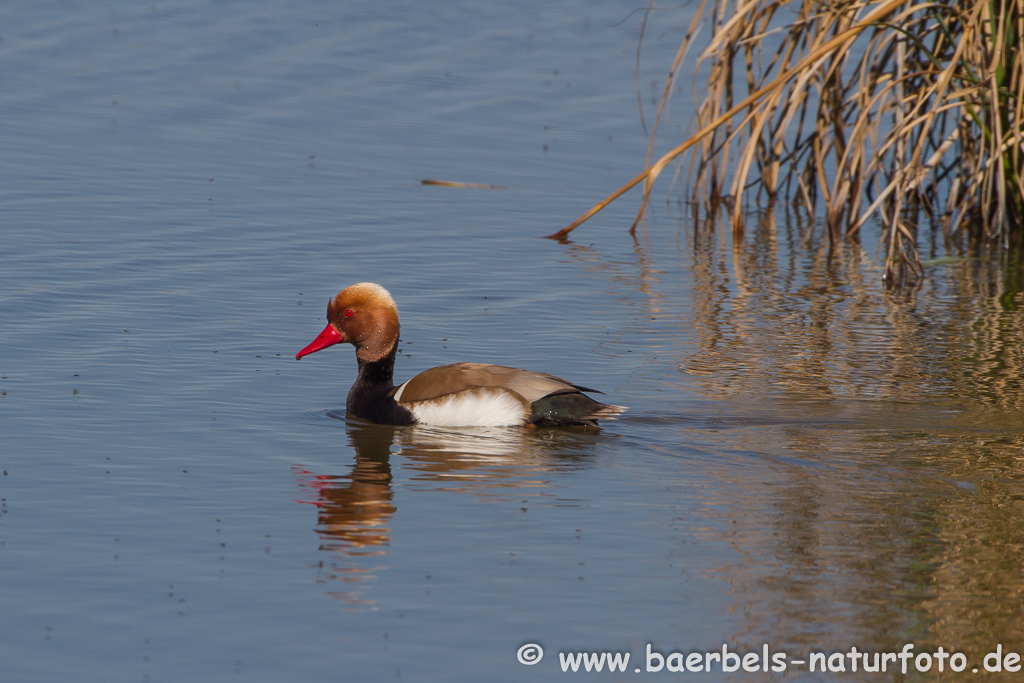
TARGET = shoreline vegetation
x,y
908,113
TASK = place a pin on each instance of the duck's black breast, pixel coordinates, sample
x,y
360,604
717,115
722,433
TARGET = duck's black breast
x,y
370,397
374,403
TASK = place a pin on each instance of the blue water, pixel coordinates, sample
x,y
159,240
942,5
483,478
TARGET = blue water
x,y
807,461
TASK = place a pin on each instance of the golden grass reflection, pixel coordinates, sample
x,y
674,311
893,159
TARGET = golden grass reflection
x,y
791,313
867,447
912,533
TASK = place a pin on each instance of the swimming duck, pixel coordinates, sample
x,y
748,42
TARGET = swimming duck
x,y
456,395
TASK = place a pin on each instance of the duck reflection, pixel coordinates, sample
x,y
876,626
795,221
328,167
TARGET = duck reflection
x,y
355,510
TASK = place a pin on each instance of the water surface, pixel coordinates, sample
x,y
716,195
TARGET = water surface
x,y
807,462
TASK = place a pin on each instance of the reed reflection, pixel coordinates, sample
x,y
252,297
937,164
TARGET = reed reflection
x,y
888,503
791,313
909,534
355,511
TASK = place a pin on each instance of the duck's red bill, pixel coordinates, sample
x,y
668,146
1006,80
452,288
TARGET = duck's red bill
x,y
329,337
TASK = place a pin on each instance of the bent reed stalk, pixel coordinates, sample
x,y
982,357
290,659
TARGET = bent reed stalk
x,y
900,110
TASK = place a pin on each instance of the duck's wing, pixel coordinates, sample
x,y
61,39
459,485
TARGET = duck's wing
x,y
451,379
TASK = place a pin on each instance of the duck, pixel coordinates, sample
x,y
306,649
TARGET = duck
x,y
457,395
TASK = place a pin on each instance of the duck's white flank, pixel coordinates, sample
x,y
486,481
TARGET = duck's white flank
x,y
489,408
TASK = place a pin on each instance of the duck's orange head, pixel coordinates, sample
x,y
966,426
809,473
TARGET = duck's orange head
x,y
363,315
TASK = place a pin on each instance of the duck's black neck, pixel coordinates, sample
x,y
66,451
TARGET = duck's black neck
x,y
368,399
378,372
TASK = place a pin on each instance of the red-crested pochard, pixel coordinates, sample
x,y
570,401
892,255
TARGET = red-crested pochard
x,y
457,395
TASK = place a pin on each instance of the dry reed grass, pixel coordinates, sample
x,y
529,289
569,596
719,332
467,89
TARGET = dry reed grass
x,y
907,111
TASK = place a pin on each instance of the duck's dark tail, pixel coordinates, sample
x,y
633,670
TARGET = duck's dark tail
x,y
570,408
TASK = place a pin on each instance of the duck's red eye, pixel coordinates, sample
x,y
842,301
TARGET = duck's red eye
x,y
349,313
